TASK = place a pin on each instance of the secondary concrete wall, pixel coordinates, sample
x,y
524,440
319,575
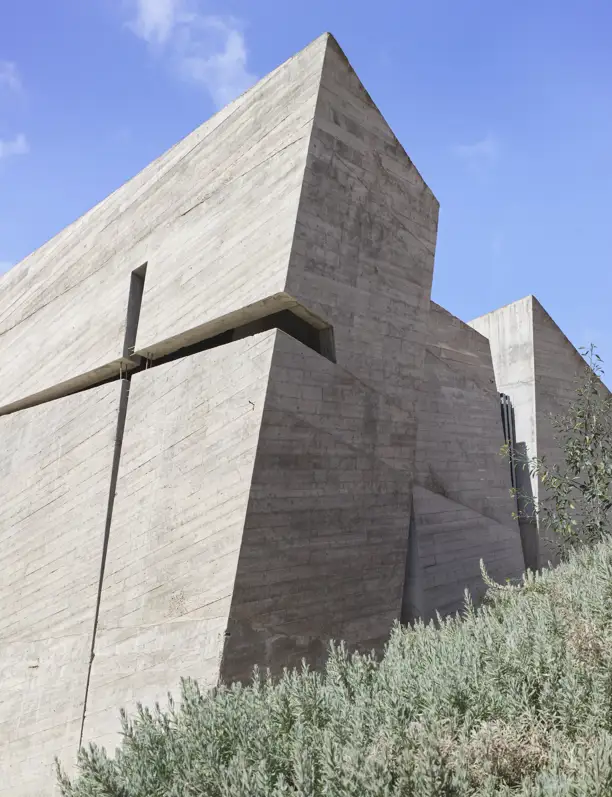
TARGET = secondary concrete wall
x,y
460,429
54,482
190,440
511,335
464,508
559,369
539,368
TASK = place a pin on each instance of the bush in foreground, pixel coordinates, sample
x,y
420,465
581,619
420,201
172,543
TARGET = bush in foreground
x,y
513,699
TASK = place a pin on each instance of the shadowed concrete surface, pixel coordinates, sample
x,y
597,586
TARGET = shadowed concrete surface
x,y
463,507
236,427
326,531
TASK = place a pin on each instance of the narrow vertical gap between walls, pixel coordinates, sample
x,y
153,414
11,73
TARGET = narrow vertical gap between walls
x,y
131,329
412,598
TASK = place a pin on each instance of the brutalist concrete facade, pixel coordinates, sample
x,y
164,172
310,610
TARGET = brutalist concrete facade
x,y
235,426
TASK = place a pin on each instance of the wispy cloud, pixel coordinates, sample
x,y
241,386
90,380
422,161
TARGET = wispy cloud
x,y
15,146
221,64
156,19
482,153
206,49
9,77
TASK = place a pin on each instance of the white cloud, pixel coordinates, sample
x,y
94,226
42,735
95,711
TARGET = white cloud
x,y
214,54
156,19
9,77
205,49
16,146
482,153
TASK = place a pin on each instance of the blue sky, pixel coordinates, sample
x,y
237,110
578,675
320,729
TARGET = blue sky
x,y
505,108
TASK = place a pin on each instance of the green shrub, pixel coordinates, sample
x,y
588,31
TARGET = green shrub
x,y
576,491
515,698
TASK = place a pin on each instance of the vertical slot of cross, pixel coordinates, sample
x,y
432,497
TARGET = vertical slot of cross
x,y
137,282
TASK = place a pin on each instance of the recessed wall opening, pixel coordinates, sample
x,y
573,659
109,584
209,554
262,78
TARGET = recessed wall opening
x,y
319,340
305,327
508,425
137,282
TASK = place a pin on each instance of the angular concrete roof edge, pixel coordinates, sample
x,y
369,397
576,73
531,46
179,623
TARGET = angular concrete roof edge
x,y
504,306
436,306
333,41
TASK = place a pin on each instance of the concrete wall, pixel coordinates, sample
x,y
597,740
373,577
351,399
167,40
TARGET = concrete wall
x,y
54,482
295,196
325,536
539,368
511,335
463,507
451,539
559,369
460,430
189,447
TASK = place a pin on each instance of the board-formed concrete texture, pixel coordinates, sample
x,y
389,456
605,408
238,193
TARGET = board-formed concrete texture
x,y
463,507
235,426
538,368
451,539
54,481
187,460
217,209
326,532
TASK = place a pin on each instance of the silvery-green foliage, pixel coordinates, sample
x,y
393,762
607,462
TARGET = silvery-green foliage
x,y
576,490
512,699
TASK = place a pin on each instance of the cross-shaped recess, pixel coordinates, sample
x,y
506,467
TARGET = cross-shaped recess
x,y
280,311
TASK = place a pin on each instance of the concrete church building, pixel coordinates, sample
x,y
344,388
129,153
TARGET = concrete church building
x,y
234,425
